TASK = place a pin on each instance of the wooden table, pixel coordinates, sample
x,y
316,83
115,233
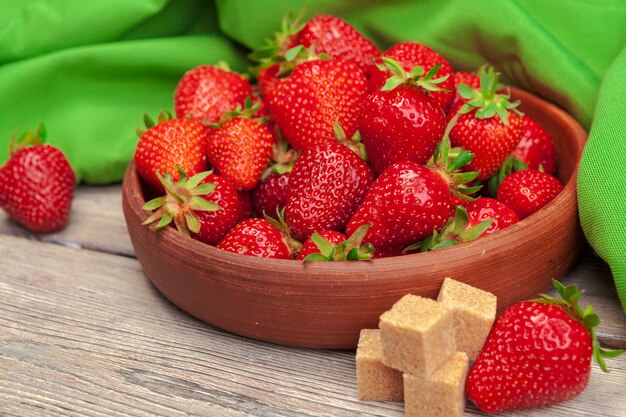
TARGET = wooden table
x,y
83,332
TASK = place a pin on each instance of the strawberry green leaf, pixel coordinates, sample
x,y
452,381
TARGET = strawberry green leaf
x,y
315,257
201,204
466,91
154,204
292,53
165,220
324,246
193,222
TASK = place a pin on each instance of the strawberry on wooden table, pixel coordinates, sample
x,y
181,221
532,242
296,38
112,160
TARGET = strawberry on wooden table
x,y
326,186
409,201
168,144
207,92
263,238
37,184
239,147
536,148
528,190
537,354
401,121
487,124
205,206
413,54
310,95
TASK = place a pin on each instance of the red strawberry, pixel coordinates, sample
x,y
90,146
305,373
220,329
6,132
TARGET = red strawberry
x,y
263,238
458,229
311,99
337,38
245,201
326,185
205,206
207,92
401,121
528,190
268,81
169,144
537,354
485,208
37,184
240,148
388,251
468,78
330,238
410,55
536,148
408,201
270,194
485,126
333,246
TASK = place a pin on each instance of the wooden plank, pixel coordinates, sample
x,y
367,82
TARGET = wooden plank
x,y
85,333
96,223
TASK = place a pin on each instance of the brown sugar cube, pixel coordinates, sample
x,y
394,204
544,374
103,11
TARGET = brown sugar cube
x,y
440,395
376,382
416,335
474,313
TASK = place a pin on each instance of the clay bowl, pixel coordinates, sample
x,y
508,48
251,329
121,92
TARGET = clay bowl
x,y
325,305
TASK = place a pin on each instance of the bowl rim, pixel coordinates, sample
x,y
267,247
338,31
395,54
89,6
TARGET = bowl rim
x,y
350,273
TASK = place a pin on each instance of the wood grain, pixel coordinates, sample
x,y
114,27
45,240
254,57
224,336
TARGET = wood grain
x,y
85,333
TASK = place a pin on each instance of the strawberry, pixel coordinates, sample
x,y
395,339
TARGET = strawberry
x,y
207,92
488,125
240,148
401,121
485,208
205,206
337,38
267,79
458,229
263,238
245,204
537,354
326,240
326,185
328,34
315,95
469,79
388,251
536,148
168,144
333,246
528,190
270,194
37,184
412,54
408,201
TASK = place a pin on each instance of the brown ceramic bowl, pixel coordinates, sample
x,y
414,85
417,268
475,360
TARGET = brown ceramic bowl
x,y
325,305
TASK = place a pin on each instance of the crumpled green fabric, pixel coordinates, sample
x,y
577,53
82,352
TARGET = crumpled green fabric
x,y
90,69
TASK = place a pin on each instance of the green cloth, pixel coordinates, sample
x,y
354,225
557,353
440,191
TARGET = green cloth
x,y
90,69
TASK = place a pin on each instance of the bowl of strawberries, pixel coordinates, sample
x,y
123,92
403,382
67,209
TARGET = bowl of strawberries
x,y
298,208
